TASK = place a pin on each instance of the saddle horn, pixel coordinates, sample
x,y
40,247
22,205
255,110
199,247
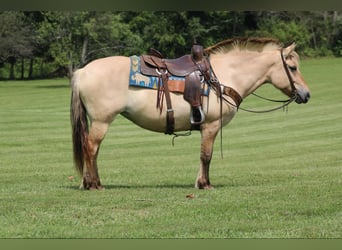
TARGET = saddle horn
x,y
154,52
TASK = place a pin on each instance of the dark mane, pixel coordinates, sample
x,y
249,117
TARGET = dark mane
x,y
244,43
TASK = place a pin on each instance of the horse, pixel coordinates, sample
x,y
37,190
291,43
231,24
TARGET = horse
x,y
100,92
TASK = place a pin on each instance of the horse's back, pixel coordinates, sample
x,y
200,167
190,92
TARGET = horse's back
x,y
107,68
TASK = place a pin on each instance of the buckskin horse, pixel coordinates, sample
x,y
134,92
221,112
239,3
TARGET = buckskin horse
x,y
227,73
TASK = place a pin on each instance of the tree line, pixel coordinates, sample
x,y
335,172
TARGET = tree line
x,y
40,44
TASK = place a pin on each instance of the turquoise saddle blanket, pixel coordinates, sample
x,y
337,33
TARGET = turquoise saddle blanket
x,y
137,79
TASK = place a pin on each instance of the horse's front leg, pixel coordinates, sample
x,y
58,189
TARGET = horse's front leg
x,y
208,133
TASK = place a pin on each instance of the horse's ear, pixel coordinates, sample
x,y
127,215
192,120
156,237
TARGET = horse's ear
x,y
289,49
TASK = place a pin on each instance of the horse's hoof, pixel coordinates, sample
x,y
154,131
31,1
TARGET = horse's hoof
x,y
203,186
91,186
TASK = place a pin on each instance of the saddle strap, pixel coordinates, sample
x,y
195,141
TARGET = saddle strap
x,y
233,94
170,119
163,74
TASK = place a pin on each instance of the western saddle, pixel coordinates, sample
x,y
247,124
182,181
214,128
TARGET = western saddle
x,y
196,70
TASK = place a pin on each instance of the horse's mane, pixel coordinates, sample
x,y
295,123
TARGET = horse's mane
x,y
244,43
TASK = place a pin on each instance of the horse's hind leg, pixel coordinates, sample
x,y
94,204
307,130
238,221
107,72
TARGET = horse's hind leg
x,y
91,179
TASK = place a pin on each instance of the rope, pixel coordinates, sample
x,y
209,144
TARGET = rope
x,y
188,133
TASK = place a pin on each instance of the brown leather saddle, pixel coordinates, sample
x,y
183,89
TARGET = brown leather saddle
x,y
194,68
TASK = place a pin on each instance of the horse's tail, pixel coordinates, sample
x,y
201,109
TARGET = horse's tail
x,y
79,125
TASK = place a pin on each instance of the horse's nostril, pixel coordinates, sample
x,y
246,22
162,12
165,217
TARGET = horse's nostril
x,y
308,96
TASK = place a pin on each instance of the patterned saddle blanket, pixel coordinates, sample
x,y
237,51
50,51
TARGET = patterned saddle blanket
x,y
138,79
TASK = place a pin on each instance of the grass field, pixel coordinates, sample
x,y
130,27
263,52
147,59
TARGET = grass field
x,y
281,175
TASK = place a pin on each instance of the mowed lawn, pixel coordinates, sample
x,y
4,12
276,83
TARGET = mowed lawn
x,y
280,176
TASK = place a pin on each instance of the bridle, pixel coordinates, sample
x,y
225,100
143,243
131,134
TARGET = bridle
x,y
286,67
227,90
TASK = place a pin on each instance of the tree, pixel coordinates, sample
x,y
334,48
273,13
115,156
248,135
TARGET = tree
x,y
15,39
56,43
75,38
112,37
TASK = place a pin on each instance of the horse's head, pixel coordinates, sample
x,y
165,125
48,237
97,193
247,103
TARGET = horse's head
x,y
287,77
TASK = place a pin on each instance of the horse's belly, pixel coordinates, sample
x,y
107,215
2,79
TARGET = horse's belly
x,y
157,123
142,110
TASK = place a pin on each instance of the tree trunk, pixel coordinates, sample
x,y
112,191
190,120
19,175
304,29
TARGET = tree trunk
x,y
12,62
70,66
84,50
335,17
22,69
30,69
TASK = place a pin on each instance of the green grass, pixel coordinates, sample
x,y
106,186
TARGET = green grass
x,y
280,177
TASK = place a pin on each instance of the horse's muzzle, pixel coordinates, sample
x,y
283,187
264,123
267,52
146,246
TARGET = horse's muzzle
x,y
302,96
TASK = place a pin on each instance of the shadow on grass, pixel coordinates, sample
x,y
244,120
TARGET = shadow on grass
x,y
53,86
145,186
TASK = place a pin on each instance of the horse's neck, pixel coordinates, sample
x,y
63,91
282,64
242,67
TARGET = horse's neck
x,y
243,71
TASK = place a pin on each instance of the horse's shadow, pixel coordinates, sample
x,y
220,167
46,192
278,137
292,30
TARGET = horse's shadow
x,y
145,186
53,86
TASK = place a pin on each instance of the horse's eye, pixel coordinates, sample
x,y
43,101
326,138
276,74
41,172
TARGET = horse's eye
x,y
293,68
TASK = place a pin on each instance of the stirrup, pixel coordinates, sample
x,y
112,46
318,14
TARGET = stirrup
x,y
198,114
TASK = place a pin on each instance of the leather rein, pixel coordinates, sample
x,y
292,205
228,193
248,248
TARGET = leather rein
x,y
228,91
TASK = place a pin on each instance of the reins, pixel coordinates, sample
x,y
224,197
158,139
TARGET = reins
x,y
285,102
283,106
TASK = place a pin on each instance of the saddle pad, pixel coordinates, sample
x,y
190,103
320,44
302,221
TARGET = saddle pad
x,y
137,79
